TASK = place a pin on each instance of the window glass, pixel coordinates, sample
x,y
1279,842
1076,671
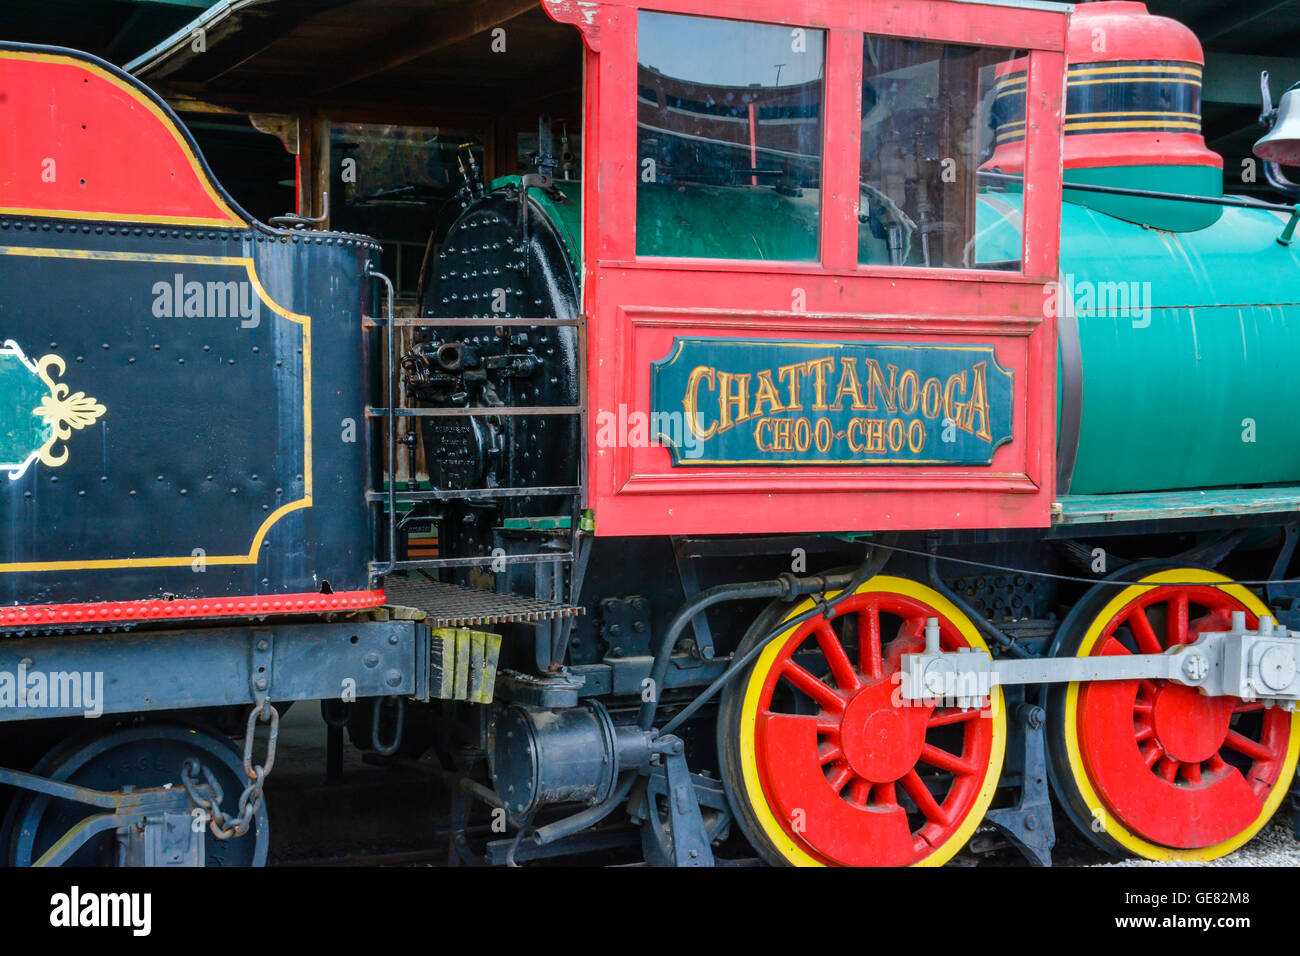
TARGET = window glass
x,y
729,133
931,116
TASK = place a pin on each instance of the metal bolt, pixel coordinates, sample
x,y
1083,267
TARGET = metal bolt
x,y
1196,667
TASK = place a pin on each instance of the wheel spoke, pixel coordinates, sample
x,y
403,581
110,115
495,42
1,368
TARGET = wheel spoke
x,y
1168,769
1144,633
839,776
1244,745
924,800
829,728
832,752
846,679
1113,645
869,659
946,761
811,686
859,792
942,718
912,629
1192,771
1176,626
1145,733
1151,754
1244,707
886,795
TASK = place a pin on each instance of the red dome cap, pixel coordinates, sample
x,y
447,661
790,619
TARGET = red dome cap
x,y
1122,30
1133,93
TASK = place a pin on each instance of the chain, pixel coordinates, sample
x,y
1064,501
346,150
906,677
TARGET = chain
x,y
224,826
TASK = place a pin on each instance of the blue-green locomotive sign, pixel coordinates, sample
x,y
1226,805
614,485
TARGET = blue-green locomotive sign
x,y
724,401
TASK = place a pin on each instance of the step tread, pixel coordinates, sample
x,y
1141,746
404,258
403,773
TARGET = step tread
x,y
452,605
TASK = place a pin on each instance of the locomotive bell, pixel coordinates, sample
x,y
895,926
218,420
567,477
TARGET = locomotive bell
x,y
1282,143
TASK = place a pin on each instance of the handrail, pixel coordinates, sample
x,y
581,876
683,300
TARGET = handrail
x,y
404,322
490,411
392,421
1234,201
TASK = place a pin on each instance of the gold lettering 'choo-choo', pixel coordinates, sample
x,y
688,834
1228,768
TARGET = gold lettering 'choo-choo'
x,y
717,401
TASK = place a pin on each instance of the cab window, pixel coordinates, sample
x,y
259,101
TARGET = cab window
x,y
932,117
729,134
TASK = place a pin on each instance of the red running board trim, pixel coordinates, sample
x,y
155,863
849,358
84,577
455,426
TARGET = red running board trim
x,y
154,610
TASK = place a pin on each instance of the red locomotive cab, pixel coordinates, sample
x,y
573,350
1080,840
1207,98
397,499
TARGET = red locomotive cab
x,y
808,309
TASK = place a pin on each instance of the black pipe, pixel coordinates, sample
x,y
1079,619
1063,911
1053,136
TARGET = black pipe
x,y
868,570
1153,194
586,818
645,717
787,587
1008,644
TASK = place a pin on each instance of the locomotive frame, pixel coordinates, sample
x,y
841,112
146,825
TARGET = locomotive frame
x,y
559,715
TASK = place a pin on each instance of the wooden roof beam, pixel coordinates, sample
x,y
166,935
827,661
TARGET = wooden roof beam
x,y
433,31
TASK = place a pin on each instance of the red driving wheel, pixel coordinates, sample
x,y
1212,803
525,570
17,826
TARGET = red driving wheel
x,y
1172,767
848,771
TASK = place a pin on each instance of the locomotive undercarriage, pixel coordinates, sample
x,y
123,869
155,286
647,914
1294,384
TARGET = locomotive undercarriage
x,y
560,746
590,711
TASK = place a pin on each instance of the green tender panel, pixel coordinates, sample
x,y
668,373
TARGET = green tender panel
x,y
1170,395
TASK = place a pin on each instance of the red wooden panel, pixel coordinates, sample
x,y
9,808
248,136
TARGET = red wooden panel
x,y
638,309
841,155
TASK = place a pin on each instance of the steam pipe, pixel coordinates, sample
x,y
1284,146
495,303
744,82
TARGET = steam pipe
x,y
788,587
1008,644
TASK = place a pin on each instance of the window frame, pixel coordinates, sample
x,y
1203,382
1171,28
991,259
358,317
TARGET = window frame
x,y
971,24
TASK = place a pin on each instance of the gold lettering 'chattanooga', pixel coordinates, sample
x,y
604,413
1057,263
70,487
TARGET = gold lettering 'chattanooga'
x,y
717,401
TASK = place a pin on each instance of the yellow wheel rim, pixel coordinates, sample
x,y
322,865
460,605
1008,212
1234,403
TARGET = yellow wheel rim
x,y
780,839
1100,813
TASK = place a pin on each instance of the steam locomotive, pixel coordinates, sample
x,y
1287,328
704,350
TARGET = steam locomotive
x,y
821,473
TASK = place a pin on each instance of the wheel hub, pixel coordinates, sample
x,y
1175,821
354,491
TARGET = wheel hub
x,y
1190,727
882,743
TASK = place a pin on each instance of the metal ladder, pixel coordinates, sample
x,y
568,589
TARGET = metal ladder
x,y
563,599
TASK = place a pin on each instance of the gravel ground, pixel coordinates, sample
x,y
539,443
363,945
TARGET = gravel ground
x,y
1275,845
